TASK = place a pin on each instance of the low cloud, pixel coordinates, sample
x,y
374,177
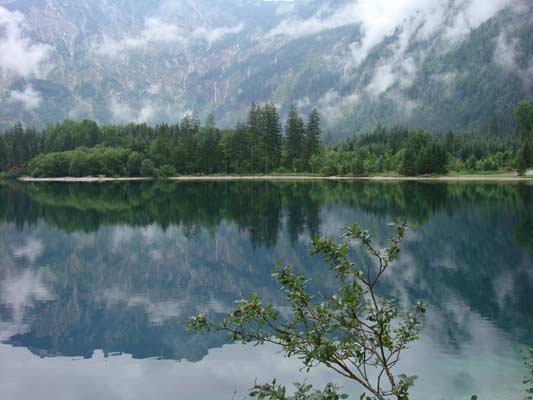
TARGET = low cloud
x,y
29,98
507,54
447,80
333,106
215,34
399,71
123,112
18,55
159,32
155,31
383,78
295,27
417,19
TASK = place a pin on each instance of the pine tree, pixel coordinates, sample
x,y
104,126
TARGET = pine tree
x,y
408,167
523,114
272,137
243,147
523,159
257,143
312,137
189,143
358,168
294,130
424,162
3,152
440,159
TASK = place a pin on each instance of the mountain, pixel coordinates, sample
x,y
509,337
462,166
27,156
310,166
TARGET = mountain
x,y
439,65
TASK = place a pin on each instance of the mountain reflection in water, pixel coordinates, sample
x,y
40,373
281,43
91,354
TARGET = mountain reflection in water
x,y
91,270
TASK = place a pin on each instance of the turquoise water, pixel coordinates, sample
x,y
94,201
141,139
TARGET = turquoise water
x,y
97,280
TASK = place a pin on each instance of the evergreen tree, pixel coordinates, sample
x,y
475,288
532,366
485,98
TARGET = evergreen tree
x,y
440,158
209,156
358,166
272,137
189,142
424,162
229,150
408,167
523,158
432,160
3,153
147,168
257,143
523,114
133,165
312,137
294,130
243,148
161,146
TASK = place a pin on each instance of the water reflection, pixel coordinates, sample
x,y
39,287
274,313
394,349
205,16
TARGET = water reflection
x,y
116,268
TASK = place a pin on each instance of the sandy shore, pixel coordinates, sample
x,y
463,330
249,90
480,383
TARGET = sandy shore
x,y
527,178
82,179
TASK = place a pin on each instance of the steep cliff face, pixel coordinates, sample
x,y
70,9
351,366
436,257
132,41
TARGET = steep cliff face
x,y
438,65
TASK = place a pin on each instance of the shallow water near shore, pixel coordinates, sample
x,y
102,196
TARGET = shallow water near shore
x,y
96,281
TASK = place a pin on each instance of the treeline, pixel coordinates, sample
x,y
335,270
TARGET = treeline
x,y
398,151
259,145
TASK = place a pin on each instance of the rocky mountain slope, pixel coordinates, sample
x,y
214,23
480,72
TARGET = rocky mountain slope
x,y
439,65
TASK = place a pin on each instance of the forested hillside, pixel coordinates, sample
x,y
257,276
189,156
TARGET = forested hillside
x,y
361,64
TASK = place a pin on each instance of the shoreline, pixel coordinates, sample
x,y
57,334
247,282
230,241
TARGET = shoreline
x,y
190,178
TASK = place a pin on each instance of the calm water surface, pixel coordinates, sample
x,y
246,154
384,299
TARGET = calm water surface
x,y
97,280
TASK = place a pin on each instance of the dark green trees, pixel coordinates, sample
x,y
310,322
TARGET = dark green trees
x,y
264,138
189,147
18,146
208,155
524,121
261,145
161,148
432,160
528,380
523,160
523,114
3,153
257,143
79,164
423,156
133,165
408,166
236,148
294,145
272,137
71,134
302,141
147,168
312,138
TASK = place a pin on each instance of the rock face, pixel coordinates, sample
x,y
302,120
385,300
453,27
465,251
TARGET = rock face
x,y
433,66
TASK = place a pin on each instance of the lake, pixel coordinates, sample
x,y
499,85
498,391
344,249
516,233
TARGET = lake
x,y
96,281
